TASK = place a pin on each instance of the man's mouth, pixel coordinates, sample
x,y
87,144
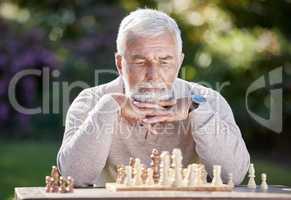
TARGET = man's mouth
x,y
151,90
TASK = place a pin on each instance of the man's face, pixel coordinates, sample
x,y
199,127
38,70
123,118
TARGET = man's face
x,y
149,65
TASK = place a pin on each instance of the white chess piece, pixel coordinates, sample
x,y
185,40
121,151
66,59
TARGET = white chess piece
x,y
217,181
164,169
150,179
137,180
203,173
252,182
187,173
230,180
264,185
128,176
177,165
195,178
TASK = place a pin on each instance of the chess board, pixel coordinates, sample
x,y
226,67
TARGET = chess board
x,y
115,187
239,192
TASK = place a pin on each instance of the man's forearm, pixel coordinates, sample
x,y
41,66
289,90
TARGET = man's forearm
x,y
85,149
219,142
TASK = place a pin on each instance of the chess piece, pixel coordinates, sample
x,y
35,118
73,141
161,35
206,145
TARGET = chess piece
x,y
48,182
230,180
150,179
177,165
192,175
131,163
120,174
186,175
137,180
70,184
144,173
203,173
252,182
155,157
195,175
128,175
164,169
264,185
216,181
62,185
55,175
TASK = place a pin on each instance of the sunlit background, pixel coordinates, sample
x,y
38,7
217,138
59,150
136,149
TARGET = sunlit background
x,y
231,42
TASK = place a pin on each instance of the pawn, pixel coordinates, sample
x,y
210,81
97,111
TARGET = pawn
x,y
264,185
230,180
144,173
128,175
120,174
62,185
137,180
150,179
70,184
48,184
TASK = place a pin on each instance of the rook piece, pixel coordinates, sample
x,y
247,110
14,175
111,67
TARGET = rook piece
x,y
217,175
252,182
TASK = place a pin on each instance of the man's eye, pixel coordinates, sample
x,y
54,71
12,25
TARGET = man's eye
x,y
164,63
139,63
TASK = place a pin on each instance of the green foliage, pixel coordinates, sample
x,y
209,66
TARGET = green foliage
x,y
24,164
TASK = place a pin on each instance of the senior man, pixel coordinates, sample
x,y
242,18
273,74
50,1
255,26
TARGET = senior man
x,y
148,107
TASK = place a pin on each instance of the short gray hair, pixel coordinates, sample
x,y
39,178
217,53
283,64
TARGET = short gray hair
x,y
147,22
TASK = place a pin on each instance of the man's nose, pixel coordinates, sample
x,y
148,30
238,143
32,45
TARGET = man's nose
x,y
152,72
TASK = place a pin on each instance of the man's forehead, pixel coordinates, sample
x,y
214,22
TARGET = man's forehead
x,y
163,56
163,42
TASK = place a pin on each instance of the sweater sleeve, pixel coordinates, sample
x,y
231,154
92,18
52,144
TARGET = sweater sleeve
x,y
218,138
87,137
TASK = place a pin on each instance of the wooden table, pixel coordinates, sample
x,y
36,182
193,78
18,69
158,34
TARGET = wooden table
x,y
33,193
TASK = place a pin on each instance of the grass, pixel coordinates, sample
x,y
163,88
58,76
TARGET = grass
x,y
26,163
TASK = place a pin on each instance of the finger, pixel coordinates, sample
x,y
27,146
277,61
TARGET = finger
x,y
166,103
157,119
147,105
151,112
151,129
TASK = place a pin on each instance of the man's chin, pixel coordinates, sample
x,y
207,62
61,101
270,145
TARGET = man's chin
x,y
151,97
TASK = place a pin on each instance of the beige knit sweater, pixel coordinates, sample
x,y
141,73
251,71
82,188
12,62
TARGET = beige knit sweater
x,y
96,138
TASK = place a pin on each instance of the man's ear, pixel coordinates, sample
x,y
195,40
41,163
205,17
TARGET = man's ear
x,y
118,63
181,59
